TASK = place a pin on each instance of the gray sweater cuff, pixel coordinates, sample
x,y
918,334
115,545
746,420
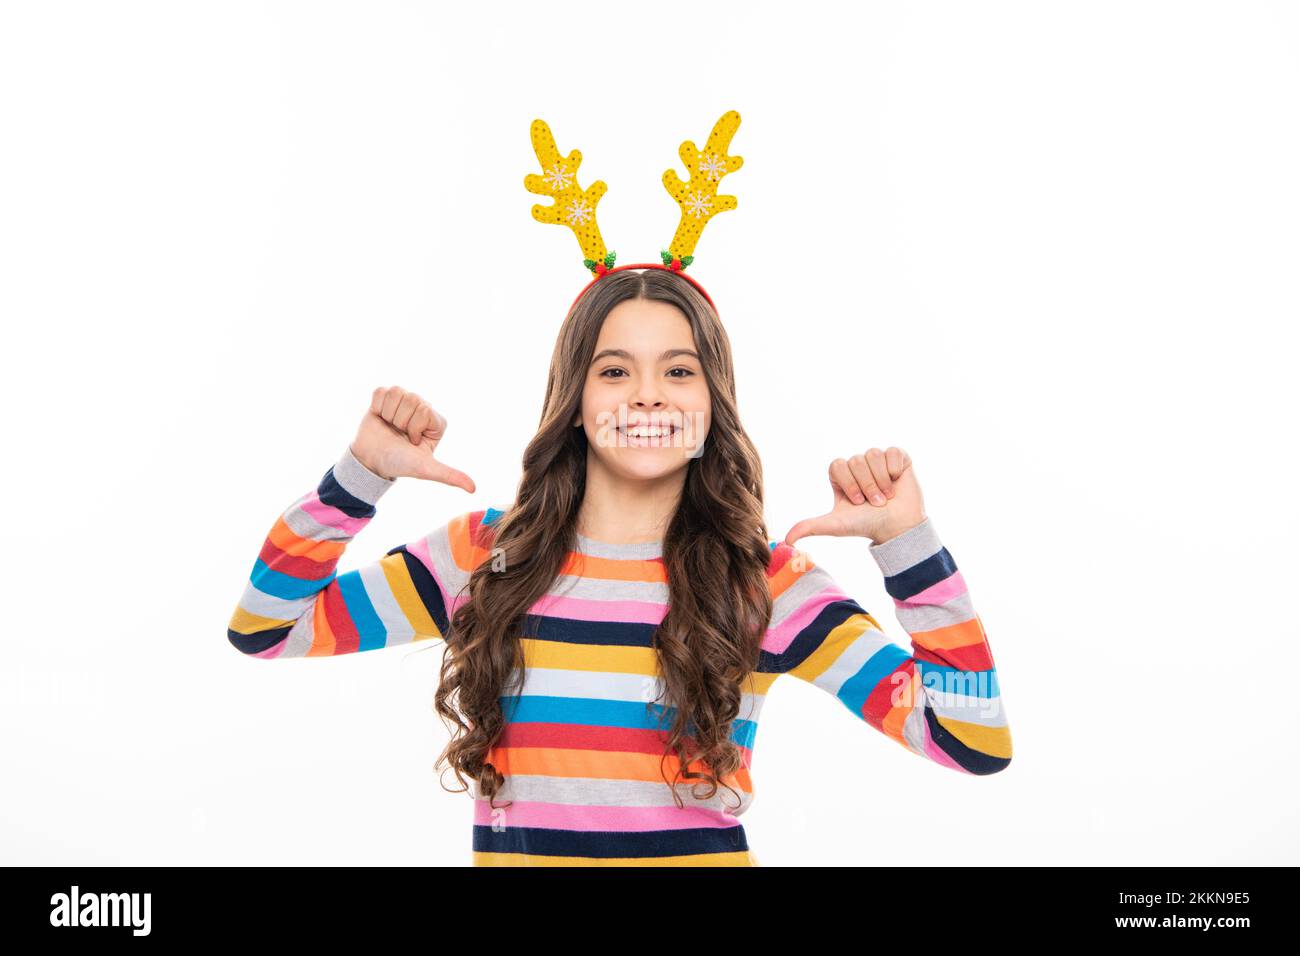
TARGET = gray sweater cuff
x,y
911,547
358,480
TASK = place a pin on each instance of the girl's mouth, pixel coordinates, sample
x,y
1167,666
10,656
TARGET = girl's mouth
x,y
640,436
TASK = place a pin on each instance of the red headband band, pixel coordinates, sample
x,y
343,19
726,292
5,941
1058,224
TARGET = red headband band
x,y
641,265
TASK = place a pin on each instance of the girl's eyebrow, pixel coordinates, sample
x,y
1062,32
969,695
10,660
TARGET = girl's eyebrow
x,y
625,354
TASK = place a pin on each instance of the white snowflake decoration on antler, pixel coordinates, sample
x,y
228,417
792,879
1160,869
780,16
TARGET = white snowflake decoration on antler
x,y
558,176
712,166
698,204
579,213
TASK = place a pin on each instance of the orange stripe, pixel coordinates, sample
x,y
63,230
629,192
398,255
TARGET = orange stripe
x,y
323,641
600,765
610,569
464,551
965,634
788,573
290,542
893,722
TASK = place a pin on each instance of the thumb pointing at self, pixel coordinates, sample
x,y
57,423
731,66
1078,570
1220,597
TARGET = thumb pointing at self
x,y
809,526
433,470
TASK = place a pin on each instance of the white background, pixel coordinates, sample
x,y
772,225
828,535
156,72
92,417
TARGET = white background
x,y
1049,249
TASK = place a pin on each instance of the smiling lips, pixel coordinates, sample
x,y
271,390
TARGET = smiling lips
x,y
645,434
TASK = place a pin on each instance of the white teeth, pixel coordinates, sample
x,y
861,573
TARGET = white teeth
x,y
645,431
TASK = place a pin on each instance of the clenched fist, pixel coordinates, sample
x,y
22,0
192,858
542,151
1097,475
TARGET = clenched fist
x,y
398,437
876,497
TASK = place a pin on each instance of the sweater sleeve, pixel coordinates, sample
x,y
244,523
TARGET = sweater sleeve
x,y
942,701
296,604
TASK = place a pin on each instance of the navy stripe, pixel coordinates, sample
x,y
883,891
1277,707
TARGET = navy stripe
x,y
924,574
427,587
258,641
810,638
607,844
975,761
333,494
568,630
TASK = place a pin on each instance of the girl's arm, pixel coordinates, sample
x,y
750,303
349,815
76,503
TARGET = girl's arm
x,y
296,605
942,701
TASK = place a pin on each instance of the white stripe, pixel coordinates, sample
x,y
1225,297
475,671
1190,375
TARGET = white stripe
x,y
398,628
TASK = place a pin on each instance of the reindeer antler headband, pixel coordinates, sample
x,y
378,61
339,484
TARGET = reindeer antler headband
x,y
575,207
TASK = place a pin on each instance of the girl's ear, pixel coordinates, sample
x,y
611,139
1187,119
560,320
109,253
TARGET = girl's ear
x,y
577,419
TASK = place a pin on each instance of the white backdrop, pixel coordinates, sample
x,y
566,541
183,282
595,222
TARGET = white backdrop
x,y
1049,249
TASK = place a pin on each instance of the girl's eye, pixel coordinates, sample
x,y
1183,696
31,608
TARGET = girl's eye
x,y
605,374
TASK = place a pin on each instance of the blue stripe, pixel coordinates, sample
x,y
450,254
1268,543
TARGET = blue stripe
x,y
632,714
879,666
370,629
285,586
954,680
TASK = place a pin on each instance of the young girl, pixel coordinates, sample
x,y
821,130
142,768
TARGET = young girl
x,y
610,637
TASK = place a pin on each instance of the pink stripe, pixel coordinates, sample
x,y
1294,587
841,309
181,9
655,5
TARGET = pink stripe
x,y
953,586
585,609
938,754
331,517
564,816
781,637
275,650
421,550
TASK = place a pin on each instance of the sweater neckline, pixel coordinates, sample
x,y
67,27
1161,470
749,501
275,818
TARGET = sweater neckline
x,y
634,551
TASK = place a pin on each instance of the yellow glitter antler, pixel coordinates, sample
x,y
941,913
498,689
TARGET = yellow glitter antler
x,y
698,198
573,207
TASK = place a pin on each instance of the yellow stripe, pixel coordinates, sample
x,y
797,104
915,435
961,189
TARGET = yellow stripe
x,y
994,741
246,622
839,638
407,597
608,658
613,659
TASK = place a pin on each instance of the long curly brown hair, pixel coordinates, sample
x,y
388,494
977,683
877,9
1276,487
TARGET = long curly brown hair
x,y
715,550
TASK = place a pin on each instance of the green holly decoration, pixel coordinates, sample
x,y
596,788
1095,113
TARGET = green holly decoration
x,y
668,258
608,261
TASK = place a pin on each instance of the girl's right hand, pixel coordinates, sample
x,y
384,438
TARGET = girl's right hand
x,y
398,436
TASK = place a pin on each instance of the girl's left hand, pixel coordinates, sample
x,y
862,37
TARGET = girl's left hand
x,y
876,497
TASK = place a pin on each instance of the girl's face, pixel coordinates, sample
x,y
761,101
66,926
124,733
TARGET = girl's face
x,y
645,403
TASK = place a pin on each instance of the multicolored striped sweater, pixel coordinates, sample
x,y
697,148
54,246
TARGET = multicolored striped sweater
x,y
582,750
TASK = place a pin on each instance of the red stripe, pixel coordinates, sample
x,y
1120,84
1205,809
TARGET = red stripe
x,y
587,737
880,701
972,657
346,638
296,566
